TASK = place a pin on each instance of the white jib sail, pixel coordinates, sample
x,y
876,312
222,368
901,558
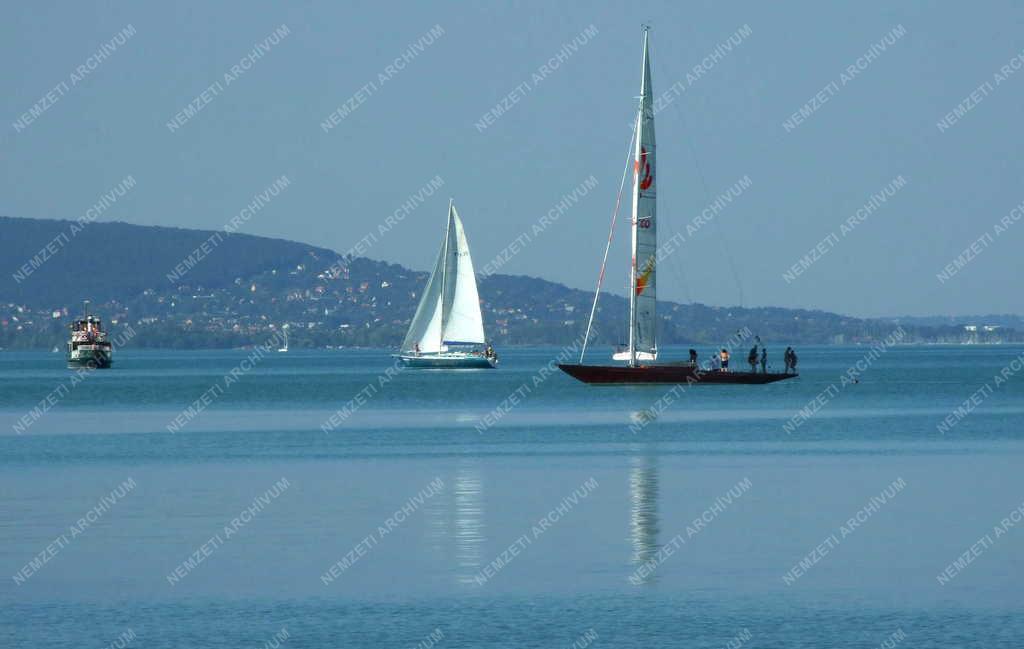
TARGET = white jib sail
x,y
643,296
463,322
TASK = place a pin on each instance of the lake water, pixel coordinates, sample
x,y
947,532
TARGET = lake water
x,y
585,516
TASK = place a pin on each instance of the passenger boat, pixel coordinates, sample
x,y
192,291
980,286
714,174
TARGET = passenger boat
x,y
447,331
89,345
641,355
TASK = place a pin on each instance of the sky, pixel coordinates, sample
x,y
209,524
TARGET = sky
x,y
564,77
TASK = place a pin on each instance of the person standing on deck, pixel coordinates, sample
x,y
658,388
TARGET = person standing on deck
x,y
693,357
725,360
764,360
752,359
787,357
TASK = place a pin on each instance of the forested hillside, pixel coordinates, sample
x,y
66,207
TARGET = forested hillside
x,y
191,288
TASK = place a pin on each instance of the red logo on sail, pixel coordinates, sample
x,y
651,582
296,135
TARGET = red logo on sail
x,y
645,275
647,178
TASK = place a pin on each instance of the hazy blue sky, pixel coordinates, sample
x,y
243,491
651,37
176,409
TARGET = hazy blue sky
x,y
420,123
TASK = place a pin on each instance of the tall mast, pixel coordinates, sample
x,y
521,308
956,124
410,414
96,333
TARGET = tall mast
x,y
444,268
644,90
632,270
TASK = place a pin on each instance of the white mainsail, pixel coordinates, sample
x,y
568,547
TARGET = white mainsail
x,y
643,293
449,310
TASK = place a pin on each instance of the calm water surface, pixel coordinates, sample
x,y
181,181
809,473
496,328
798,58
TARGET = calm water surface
x,y
562,523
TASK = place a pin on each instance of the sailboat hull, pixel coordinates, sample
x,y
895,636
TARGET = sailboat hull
x,y
448,360
650,374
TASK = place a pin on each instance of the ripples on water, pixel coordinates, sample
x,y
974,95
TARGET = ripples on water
x,y
576,575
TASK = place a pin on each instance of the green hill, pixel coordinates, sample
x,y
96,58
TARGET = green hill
x,y
198,288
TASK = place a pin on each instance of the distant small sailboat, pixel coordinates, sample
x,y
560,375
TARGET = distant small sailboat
x,y
448,328
642,353
284,347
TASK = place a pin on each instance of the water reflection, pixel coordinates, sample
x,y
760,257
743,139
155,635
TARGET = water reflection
x,y
468,496
437,513
643,512
643,417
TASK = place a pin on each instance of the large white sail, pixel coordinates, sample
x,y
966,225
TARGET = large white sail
x,y
643,297
449,310
425,331
463,322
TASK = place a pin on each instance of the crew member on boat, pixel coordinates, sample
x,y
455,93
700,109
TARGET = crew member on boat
x,y
790,359
725,360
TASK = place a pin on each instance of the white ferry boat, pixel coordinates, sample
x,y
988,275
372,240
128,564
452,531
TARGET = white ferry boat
x,y
89,345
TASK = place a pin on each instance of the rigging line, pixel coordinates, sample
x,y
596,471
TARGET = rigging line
x,y
724,245
680,273
611,232
676,265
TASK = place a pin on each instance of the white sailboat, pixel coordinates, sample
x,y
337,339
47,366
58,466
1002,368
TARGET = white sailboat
x,y
448,328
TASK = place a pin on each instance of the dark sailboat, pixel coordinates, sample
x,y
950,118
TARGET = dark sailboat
x,y
683,372
642,354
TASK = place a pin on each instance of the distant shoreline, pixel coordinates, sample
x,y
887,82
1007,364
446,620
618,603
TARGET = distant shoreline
x,y
594,350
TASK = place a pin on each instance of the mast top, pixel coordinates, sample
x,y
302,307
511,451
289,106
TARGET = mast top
x,y
645,75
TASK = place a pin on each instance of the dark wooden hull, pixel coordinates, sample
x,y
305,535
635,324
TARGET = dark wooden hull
x,y
624,375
